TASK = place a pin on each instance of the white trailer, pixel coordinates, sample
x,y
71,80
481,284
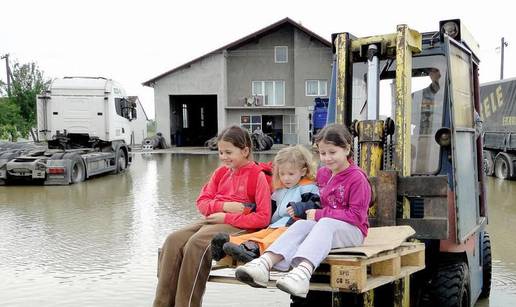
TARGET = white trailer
x,y
84,124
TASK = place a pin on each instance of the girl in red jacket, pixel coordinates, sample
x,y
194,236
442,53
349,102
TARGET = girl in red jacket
x,y
185,261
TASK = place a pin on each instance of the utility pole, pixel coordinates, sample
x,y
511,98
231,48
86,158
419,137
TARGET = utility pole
x,y
504,44
9,74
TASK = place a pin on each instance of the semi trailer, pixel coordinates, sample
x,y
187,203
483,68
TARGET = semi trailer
x,y
498,113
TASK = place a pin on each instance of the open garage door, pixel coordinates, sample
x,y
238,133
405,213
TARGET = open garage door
x,y
193,119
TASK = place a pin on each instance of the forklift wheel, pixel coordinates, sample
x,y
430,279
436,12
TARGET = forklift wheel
x,y
450,286
486,265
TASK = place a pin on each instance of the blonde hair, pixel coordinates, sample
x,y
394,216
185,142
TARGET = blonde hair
x,y
298,156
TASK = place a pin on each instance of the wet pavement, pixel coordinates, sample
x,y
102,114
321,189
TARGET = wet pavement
x,y
95,243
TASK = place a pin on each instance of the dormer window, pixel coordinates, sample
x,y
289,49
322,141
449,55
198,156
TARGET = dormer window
x,y
281,54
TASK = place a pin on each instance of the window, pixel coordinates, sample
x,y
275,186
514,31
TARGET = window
x,y
462,88
281,54
185,116
118,106
316,88
272,92
289,124
428,106
251,122
123,108
290,129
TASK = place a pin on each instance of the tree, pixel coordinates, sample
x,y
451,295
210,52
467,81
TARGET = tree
x,y
28,82
9,119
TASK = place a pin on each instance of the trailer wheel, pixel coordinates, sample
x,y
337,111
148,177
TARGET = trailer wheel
x,y
486,265
450,286
501,167
488,163
121,161
77,168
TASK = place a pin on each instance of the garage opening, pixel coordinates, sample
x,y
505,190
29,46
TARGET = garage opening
x,y
193,119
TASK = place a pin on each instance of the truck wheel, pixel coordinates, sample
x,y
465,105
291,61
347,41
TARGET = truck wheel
x,y
486,265
121,161
77,168
488,163
501,167
450,285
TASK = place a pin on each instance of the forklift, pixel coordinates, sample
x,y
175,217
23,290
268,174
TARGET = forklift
x,y
410,99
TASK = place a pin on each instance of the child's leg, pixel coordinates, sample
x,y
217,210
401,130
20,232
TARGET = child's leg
x,y
242,248
328,233
270,238
288,243
255,237
218,241
279,255
196,265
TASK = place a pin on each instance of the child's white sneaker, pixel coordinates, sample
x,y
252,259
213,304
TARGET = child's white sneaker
x,y
254,273
296,282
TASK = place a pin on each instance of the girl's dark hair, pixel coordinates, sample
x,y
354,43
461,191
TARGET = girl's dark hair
x,y
237,136
337,135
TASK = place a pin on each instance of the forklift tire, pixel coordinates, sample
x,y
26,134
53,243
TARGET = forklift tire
x,y
486,265
450,285
77,168
502,167
488,163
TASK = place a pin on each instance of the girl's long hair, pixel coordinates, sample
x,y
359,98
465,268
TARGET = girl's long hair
x,y
237,136
337,135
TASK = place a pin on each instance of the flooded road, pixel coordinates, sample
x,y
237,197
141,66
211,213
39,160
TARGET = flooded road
x,y
95,243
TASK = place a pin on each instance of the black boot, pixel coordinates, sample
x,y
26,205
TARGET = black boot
x,y
244,252
217,243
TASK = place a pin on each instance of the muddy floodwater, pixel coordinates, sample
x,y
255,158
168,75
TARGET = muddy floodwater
x,y
95,243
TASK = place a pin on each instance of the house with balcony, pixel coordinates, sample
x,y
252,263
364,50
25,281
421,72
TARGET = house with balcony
x,y
267,80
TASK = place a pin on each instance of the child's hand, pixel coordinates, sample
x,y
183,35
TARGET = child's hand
x,y
310,214
290,212
216,218
233,207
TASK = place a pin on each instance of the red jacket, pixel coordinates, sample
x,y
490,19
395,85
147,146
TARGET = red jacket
x,y
233,187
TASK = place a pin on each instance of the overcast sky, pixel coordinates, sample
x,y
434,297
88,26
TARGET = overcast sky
x,y
134,41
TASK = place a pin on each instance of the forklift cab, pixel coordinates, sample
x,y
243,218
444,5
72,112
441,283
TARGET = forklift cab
x,y
410,99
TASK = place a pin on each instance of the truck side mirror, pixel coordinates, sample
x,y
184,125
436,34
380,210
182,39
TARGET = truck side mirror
x,y
133,113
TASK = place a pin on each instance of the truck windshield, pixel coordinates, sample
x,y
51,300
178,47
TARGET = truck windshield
x,y
428,80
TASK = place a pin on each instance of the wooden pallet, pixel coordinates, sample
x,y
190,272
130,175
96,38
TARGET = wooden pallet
x,y
349,273
357,274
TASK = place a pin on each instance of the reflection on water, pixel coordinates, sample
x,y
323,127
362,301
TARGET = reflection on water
x,y
94,243
502,229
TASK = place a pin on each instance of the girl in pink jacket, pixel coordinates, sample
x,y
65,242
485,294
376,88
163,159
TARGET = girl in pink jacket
x,y
342,222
